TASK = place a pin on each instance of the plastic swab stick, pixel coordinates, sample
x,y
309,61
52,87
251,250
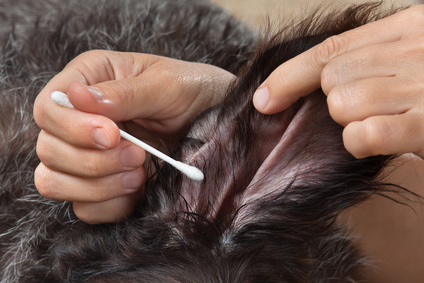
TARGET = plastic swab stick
x,y
190,171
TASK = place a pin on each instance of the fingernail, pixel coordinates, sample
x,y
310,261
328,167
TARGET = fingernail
x,y
96,93
131,180
100,138
130,157
261,97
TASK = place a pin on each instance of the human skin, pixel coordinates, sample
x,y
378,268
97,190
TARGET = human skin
x,y
81,148
374,81
373,78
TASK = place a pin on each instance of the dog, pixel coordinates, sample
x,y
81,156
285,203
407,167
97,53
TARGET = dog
x,y
274,184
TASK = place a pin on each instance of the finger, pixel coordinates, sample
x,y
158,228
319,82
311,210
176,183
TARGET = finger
x,y
110,97
133,99
110,211
302,75
166,94
379,60
78,128
384,135
131,93
88,68
60,82
358,100
64,187
58,155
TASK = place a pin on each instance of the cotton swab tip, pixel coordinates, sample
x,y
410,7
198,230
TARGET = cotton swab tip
x,y
190,171
61,99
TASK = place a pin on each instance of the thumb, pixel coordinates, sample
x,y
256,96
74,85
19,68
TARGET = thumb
x,y
116,99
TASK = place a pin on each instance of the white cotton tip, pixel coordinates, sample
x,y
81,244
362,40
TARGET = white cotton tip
x,y
61,99
190,171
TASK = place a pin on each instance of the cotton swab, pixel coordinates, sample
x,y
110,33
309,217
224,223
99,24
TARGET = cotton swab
x,y
190,171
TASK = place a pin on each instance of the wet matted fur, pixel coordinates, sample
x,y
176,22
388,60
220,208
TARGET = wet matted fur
x,y
273,184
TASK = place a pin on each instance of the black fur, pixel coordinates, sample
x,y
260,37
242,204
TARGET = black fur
x,y
274,184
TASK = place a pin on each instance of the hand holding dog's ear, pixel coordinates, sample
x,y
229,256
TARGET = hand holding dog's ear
x,y
374,79
82,156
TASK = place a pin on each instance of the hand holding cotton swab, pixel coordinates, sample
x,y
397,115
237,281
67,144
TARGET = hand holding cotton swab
x,y
190,171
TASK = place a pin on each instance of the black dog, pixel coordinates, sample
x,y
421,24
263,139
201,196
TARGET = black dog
x,y
273,184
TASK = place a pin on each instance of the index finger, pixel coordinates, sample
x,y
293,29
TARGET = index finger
x,y
77,128
301,75
88,68
60,82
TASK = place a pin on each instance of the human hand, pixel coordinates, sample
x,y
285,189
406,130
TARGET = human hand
x,y
82,156
373,77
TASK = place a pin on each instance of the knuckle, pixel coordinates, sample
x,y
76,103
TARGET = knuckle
x,y
327,78
330,48
412,18
414,15
42,182
80,59
90,54
88,62
91,165
373,135
104,188
84,213
42,150
38,113
337,106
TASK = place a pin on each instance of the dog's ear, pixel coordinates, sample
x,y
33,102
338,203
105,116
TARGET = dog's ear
x,y
275,185
248,157
294,157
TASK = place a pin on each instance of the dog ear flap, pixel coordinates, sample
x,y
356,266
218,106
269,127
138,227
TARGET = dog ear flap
x,y
249,158
310,171
295,156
